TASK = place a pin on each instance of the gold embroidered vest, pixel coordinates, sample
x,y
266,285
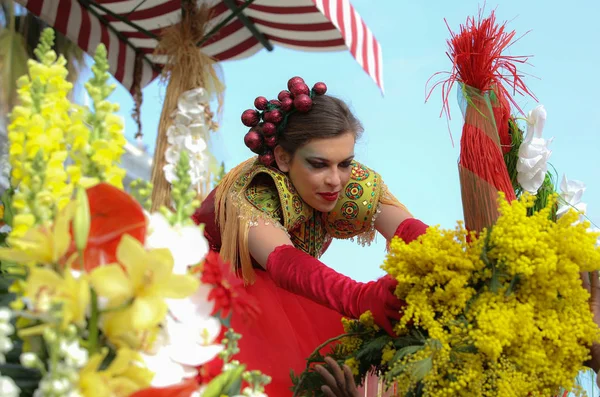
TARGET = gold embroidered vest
x,y
259,192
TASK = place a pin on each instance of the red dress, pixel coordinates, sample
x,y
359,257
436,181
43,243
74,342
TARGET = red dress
x,y
288,329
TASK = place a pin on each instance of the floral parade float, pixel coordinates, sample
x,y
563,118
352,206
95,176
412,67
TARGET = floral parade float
x,y
495,307
101,300
98,296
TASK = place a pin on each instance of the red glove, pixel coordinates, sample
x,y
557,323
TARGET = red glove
x,y
304,275
409,229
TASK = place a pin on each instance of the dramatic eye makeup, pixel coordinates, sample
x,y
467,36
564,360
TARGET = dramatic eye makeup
x,y
318,162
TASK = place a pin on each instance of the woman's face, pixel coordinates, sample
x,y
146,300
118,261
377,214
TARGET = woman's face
x,y
320,169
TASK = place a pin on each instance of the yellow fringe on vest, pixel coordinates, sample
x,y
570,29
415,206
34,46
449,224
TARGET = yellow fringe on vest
x,y
233,216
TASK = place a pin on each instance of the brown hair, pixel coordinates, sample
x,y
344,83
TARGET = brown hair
x,y
328,118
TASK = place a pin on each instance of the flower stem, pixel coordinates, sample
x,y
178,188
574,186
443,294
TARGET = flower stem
x,y
93,335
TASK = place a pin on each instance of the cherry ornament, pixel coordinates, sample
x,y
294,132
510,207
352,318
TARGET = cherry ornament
x,y
260,103
303,103
250,118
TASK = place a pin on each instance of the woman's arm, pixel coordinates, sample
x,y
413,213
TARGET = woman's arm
x,y
263,239
397,222
389,219
300,273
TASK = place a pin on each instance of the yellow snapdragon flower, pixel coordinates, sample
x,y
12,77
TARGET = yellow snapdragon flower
x,y
36,138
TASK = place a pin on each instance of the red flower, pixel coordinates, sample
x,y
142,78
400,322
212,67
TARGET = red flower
x,y
183,389
113,213
209,371
229,292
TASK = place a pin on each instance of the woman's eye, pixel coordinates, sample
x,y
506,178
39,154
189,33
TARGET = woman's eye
x,y
317,165
346,164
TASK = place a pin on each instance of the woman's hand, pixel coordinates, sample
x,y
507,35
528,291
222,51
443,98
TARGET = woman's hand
x,y
592,284
339,382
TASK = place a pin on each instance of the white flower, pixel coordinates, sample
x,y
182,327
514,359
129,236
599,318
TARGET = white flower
x,y
166,371
8,388
170,173
5,314
191,102
187,340
249,392
193,345
182,119
6,329
75,355
29,360
6,344
534,152
188,132
186,243
172,155
193,310
61,385
571,194
195,145
176,134
198,129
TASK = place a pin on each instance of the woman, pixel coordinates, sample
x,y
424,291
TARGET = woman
x,y
273,217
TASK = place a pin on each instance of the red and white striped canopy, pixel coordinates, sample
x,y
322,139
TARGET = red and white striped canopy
x,y
308,25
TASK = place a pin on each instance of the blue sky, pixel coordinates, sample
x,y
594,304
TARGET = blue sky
x,y
405,140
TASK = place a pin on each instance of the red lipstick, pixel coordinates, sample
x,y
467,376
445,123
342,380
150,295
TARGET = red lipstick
x,y
329,196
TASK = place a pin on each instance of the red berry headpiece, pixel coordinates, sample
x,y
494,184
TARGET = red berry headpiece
x,y
271,117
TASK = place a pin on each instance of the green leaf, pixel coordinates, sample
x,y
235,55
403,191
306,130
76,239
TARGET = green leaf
x,y
372,350
235,387
514,283
421,368
400,354
495,280
466,349
415,336
222,384
216,385
6,199
394,372
235,380
6,298
225,321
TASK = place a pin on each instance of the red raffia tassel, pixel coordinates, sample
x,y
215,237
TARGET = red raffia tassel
x,y
484,74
